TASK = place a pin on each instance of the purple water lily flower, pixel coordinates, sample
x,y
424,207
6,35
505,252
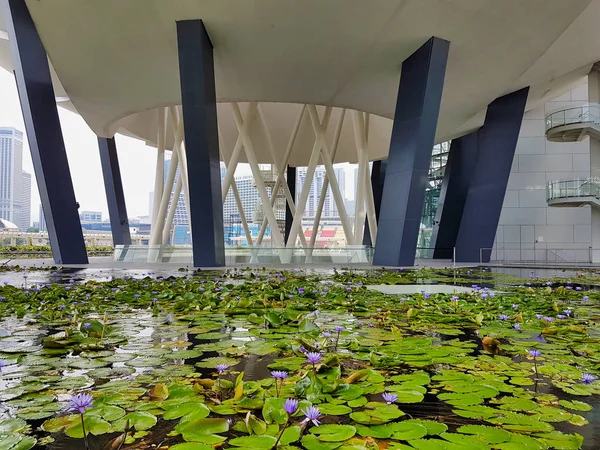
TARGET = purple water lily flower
x,y
312,414
587,378
515,306
517,326
279,374
534,353
389,398
327,334
561,316
548,319
222,368
504,317
313,358
81,402
339,329
290,406
87,325
539,316
586,298
577,288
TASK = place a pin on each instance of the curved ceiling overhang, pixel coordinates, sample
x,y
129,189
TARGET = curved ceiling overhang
x,y
117,61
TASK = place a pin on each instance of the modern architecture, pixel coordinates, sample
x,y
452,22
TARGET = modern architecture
x,y
375,83
11,170
90,216
43,227
25,201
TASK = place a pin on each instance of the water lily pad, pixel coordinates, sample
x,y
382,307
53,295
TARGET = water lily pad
x,y
490,435
254,442
334,432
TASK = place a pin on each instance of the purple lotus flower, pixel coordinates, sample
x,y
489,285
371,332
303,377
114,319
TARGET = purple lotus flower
x,y
290,406
313,358
548,319
503,317
515,306
587,378
389,398
427,295
586,298
222,368
327,334
534,353
279,374
577,288
517,326
454,298
87,325
81,402
484,296
312,414
339,329
548,283
568,312
561,316
539,316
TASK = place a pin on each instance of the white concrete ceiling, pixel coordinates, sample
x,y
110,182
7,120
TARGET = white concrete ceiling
x,y
117,60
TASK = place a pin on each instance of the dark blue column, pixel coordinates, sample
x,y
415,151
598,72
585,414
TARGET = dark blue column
x,y
197,77
377,179
289,217
119,223
455,186
44,134
413,134
497,142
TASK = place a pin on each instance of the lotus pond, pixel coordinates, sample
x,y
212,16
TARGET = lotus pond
x,y
249,359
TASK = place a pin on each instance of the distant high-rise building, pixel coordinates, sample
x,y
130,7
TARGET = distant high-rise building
x,y
25,201
43,227
11,168
90,216
181,216
249,197
330,210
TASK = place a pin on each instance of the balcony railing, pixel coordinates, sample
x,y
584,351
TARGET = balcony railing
x,y
584,114
576,188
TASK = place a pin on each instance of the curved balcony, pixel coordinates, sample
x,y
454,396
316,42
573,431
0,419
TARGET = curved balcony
x,y
577,192
574,123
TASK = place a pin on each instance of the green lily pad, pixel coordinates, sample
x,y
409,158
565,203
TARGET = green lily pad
x,y
334,432
257,442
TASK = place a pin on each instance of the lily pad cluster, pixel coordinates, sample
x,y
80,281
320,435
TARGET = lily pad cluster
x,y
201,361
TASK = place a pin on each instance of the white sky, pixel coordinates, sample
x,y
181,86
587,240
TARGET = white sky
x,y
137,161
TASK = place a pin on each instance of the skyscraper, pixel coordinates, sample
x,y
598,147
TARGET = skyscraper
x,y
25,201
181,217
43,226
11,159
330,210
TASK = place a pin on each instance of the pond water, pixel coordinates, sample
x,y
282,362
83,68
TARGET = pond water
x,y
184,360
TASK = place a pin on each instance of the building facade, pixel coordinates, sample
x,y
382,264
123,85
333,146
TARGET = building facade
x,y
11,168
90,216
42,222
25,201
529,229
330,210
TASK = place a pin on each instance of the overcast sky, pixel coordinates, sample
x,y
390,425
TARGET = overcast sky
x,y
137,161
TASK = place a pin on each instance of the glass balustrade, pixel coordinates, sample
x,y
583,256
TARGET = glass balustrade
x,y
588,187
584,114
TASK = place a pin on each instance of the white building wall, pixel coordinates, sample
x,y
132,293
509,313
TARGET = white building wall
x,y
526,222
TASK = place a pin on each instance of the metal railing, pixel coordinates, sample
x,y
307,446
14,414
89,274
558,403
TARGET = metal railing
x,y
262,255
584,114
575,188
539,256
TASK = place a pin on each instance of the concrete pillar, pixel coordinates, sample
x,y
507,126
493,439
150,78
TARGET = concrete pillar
x,y
453,195
594,97
289,217
119,223
377,179
413,134
496,142
198,98
44,134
